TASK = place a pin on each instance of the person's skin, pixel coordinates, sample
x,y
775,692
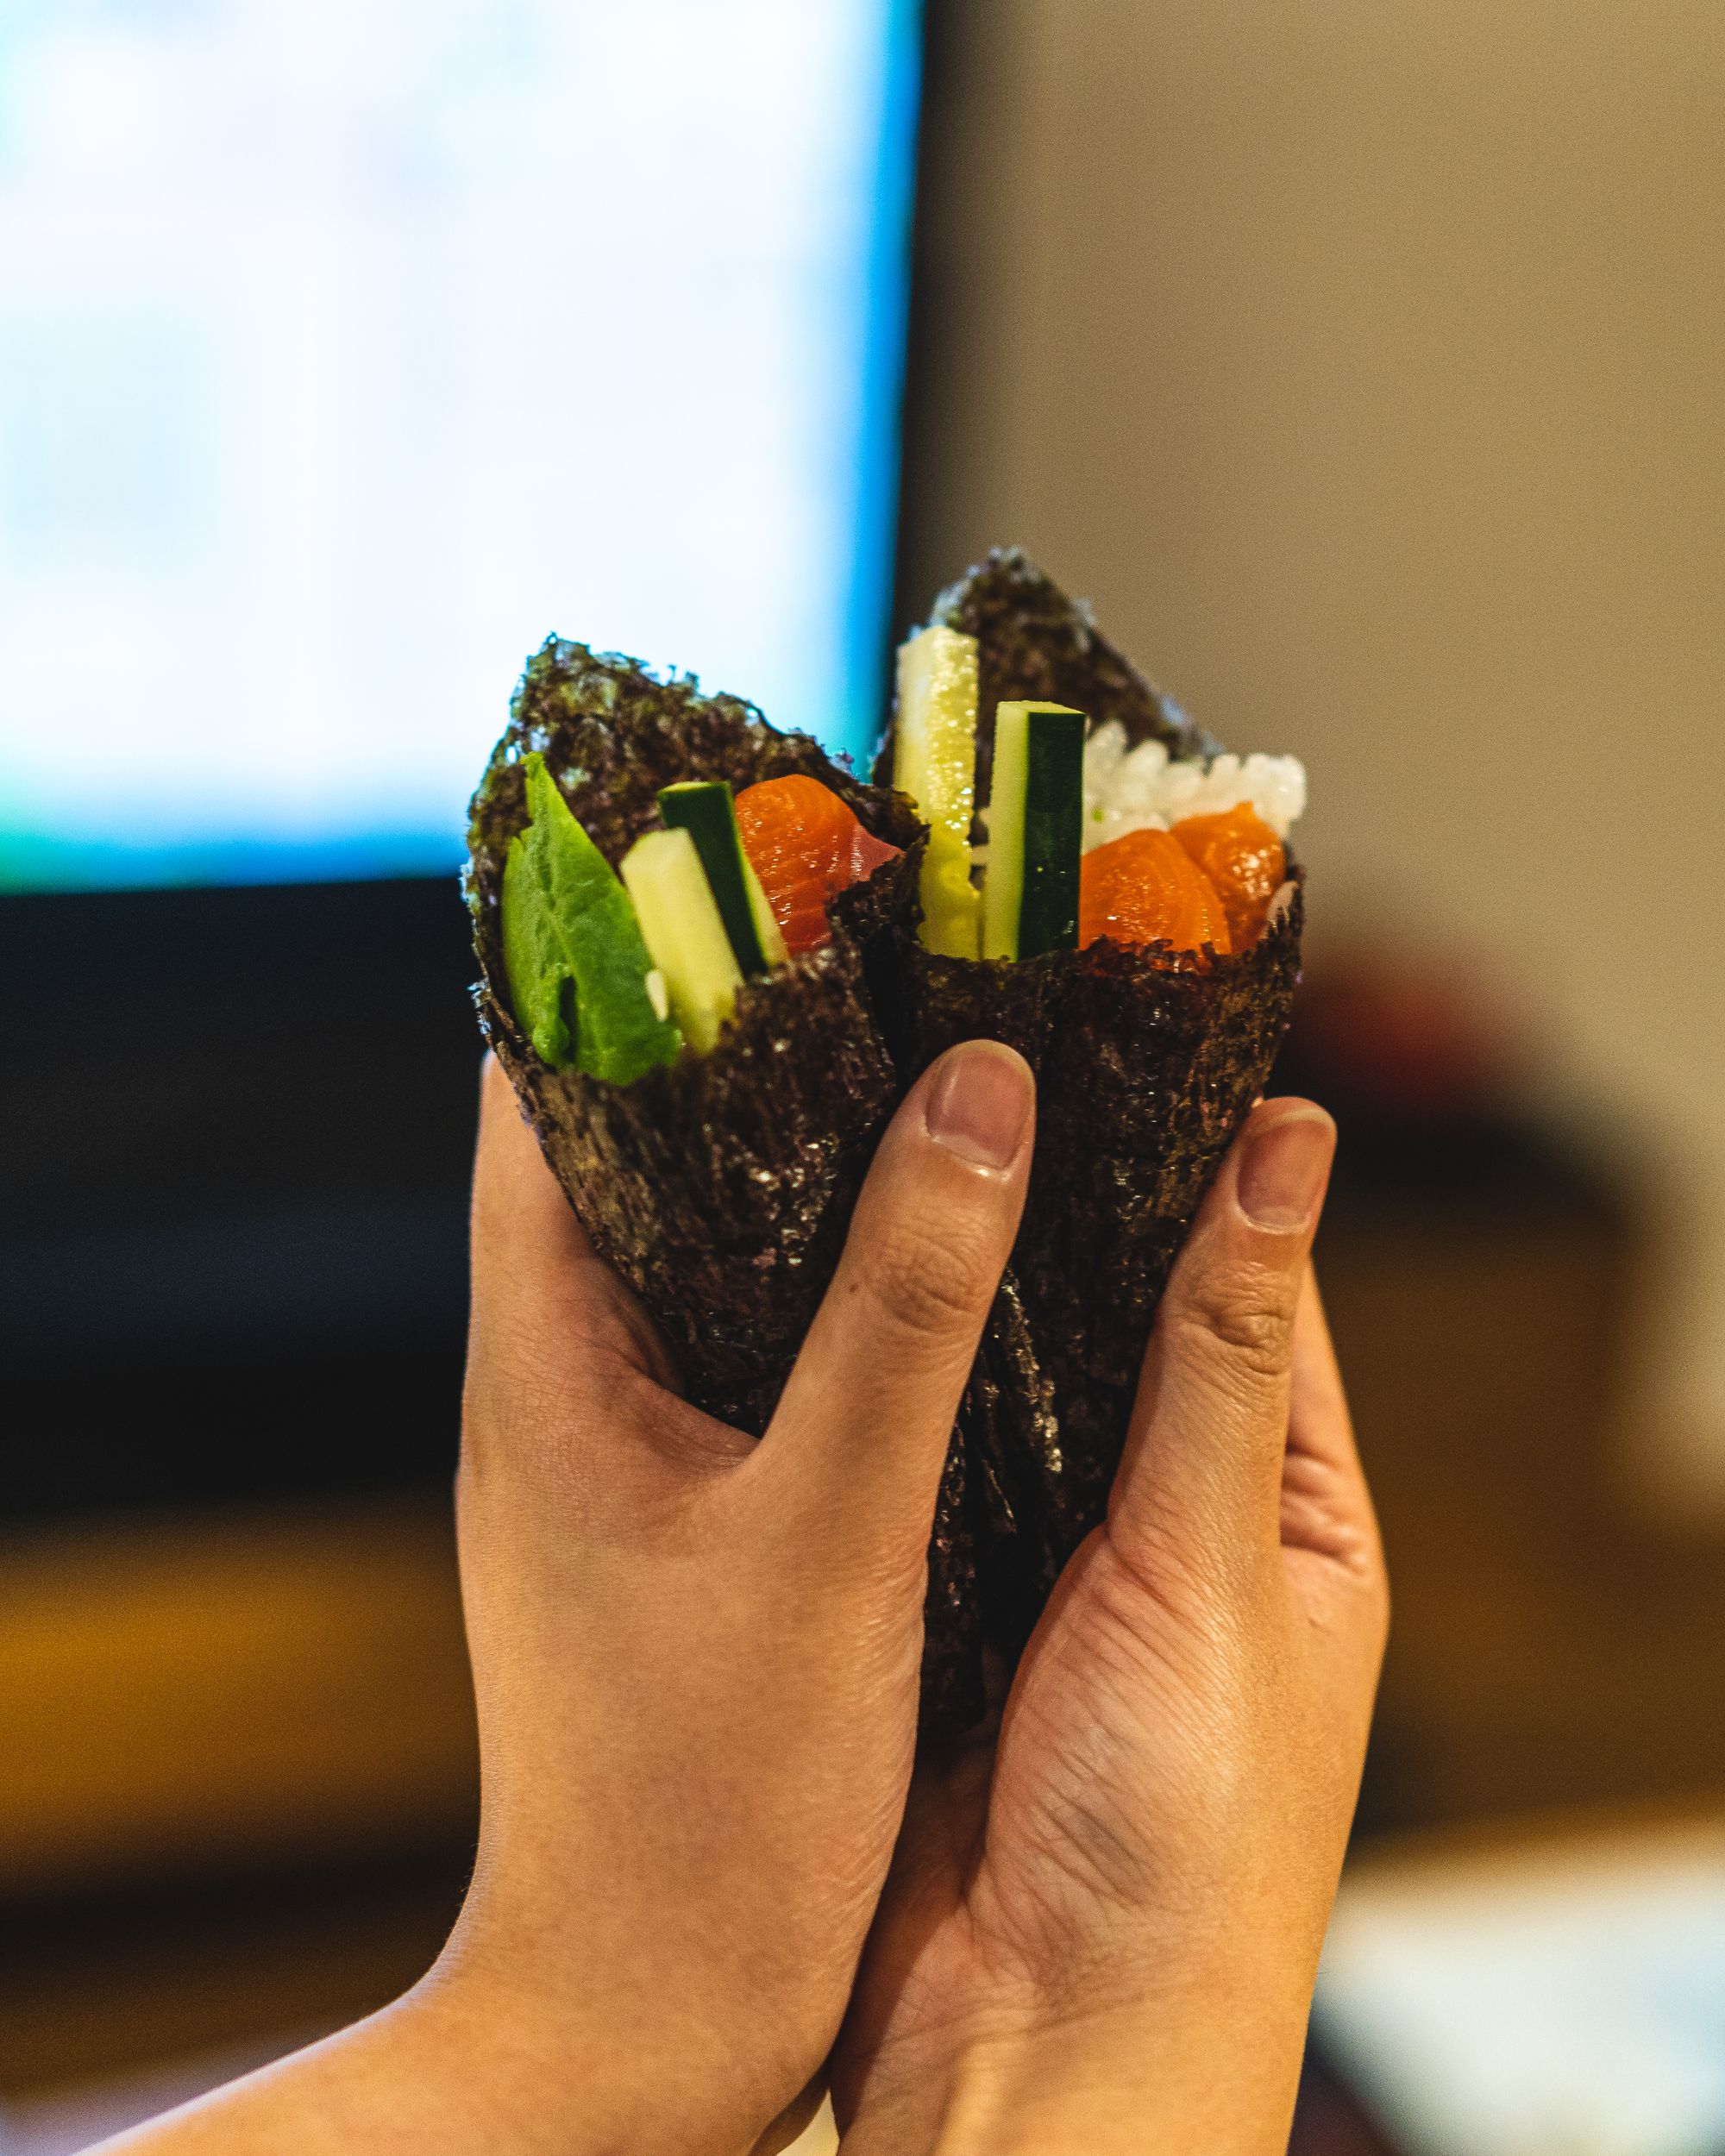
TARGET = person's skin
x,y
695,1661
1102,1934
696,1668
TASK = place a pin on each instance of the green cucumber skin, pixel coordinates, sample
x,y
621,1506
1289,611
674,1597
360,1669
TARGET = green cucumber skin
x,y
1053,832
1003,881
706,809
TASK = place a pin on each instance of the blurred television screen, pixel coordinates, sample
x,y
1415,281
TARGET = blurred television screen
x,y
348,347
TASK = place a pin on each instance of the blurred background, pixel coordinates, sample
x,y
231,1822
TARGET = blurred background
x,y
1361,364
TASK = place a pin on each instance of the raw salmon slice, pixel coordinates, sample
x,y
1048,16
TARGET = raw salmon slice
x,y
807,846
1244,860
1146,889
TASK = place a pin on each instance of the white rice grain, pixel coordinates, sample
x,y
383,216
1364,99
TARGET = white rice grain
x,y
1141,789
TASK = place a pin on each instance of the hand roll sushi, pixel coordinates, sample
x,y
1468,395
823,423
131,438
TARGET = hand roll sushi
x,y
713,961
1133,927
694,1041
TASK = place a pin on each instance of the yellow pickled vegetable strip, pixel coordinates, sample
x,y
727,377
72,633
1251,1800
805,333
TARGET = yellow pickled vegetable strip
x,y
683,931
935,762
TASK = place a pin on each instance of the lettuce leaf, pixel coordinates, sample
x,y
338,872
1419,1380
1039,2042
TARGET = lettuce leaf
x,y
572,949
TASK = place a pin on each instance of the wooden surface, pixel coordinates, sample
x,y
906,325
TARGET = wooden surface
x,y
177,1695
1546,1648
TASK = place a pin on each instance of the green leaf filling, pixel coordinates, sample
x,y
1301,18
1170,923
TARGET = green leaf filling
x,y
572,948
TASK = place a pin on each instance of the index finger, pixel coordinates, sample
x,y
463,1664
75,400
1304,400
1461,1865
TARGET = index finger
x,y
1327,1505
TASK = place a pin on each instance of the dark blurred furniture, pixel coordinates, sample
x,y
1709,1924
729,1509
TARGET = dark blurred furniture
x,y
232,1198
1546,1648
233,1203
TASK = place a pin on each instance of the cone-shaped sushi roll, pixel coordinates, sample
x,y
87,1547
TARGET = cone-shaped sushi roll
x,y
713,962
1130,924
708,1096
676,909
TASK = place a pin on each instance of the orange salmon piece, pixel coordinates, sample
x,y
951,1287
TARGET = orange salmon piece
x,y
1146,889
807,846
1244,860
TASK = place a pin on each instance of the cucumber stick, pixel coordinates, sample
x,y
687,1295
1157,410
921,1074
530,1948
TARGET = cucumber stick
x,y
934,762
684,934
707,811
1036,820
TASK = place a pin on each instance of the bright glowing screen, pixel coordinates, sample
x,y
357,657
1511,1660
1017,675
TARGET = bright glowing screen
x,y
349,346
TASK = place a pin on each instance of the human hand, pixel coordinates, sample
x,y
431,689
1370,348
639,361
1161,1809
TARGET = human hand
x,y
1102,1932
696,1663
696,1657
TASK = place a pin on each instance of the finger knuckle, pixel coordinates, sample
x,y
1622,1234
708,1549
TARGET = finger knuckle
x,y
1249,1320
926,1285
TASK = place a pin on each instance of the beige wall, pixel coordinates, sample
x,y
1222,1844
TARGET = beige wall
x,y
1364,360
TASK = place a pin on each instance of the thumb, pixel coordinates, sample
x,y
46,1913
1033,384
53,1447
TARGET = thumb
x,y
863,1424
1202,1472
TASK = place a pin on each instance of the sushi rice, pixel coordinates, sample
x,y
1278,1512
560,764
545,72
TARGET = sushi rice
x,y
1141,789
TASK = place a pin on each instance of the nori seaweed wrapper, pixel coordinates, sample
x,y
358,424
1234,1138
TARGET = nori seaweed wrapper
x,y
1035,642
720,1186
1146,1066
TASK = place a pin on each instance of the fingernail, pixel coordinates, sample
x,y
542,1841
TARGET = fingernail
x,y
1282,1176
980,1105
